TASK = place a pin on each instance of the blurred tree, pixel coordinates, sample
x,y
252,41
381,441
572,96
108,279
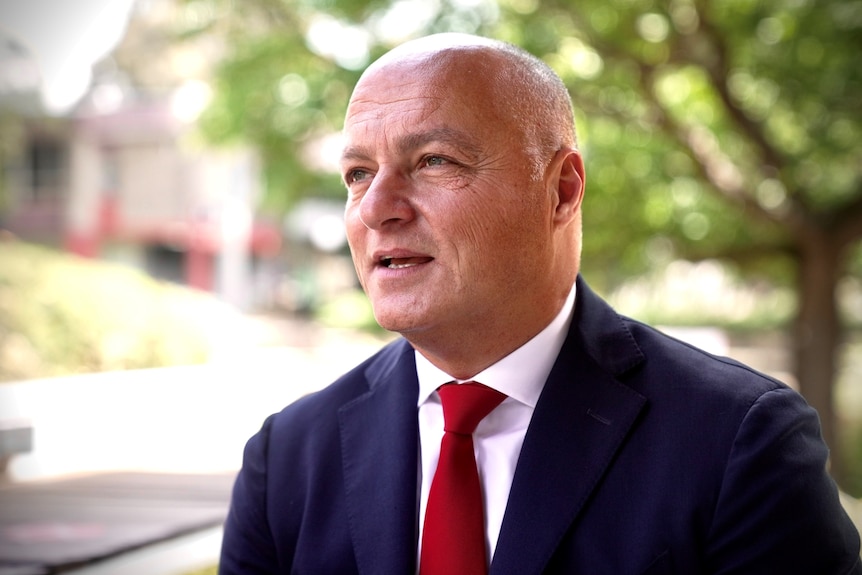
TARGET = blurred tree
x,y
735,124
724,129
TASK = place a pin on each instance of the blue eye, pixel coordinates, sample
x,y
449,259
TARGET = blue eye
x,y
354,176
434,161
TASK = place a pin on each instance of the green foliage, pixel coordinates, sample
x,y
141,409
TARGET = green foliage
x,y
275,93
712,127
61,314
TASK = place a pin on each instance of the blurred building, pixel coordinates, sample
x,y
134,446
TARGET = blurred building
x,y
121,177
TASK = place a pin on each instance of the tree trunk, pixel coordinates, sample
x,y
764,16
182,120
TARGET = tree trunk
x,y
817,336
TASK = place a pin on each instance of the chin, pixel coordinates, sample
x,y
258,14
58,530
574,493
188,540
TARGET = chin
x,y
398,313
398,322
389,320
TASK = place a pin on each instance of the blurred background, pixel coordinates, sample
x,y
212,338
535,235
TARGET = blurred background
x,y
171,213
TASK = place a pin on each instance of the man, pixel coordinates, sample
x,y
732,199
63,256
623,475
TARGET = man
x,y
617,450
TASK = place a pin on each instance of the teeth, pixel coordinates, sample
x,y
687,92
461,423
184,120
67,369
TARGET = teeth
x,y
389,263
398,263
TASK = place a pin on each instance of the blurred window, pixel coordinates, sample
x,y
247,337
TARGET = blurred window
x,y
46,169
165,263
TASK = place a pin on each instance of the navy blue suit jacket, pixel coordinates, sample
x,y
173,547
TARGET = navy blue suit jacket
x,y
645,456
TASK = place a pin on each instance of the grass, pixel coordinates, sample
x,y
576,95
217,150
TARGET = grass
x,y
61,314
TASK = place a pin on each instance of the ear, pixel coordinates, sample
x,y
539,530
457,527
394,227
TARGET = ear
x,y
567,178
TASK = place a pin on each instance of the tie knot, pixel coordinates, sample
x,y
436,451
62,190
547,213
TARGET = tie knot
x,y
465,405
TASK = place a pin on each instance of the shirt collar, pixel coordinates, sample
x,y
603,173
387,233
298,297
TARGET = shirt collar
x,y
521,375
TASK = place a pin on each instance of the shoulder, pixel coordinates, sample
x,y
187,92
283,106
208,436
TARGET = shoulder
x,y
320,408
718,398
710,398
306,432
656,364
666,354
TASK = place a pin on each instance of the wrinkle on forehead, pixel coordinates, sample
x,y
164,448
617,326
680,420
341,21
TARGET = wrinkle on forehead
x,y
412,141
363,107
401,96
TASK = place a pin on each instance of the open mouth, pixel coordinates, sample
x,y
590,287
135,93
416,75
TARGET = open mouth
x,y
401,263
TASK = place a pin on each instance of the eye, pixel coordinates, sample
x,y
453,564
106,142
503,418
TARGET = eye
x,y
356,176
432,161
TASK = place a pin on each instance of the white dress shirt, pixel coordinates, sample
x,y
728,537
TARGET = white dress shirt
x,y
497,441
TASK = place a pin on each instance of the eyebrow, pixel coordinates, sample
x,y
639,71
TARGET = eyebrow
x,y
410,142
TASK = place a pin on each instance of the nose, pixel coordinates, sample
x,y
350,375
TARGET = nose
x,y
387,201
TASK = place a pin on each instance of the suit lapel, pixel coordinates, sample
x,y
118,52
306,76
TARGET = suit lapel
x,y
379,445
582,418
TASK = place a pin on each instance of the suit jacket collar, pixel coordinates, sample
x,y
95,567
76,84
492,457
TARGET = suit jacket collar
x,y
583,417
379,448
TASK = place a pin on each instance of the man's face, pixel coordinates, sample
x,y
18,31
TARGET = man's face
x,y
448,225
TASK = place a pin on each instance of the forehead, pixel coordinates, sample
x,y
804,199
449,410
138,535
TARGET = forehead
x,y
443,96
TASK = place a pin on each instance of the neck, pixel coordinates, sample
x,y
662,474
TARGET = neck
x,y
481,344
461,364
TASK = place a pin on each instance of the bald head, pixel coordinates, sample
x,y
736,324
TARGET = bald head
x,y
511,86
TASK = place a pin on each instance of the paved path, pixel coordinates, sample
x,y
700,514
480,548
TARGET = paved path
x,y
54,526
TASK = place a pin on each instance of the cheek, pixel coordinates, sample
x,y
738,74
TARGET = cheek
x,y
493,219
513,238
353,226
485,239
355,231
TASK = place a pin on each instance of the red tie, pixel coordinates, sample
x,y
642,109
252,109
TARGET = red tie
x,y
453,539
